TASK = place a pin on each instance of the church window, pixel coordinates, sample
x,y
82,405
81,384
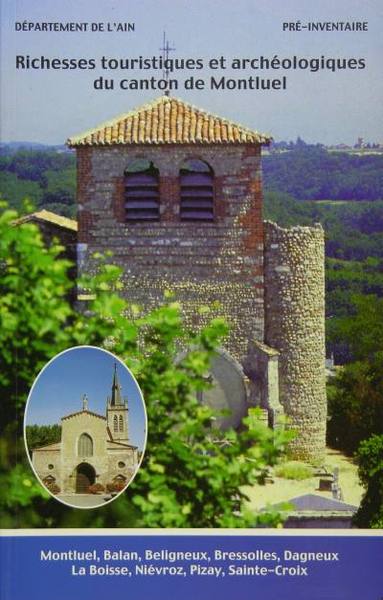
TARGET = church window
x,y
121,421
115,423
197,191
142,196
50,467
85,445
121,464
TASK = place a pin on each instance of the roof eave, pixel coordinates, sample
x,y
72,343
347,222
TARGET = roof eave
x,y
233,130
82,144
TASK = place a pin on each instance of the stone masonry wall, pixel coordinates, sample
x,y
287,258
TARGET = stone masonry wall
x,y
294,325
72,428
218,264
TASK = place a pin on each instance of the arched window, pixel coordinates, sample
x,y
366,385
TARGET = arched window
x,y
85,445
121,423
197,191
115,423
142,197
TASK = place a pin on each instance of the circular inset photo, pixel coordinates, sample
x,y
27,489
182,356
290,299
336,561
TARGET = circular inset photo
x,y
85,427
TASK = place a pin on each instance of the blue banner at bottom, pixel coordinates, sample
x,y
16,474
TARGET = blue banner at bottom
x,y
166,567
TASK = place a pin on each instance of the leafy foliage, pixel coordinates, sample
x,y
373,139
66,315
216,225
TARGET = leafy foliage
x,y
345,282
363,327
14,189
370,460
312,173
354,230
192,475
294,470
355,396
41,435
45,177
355,404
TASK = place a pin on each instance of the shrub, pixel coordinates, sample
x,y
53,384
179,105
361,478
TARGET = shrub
x,y
355,404
53,488
96,488
355,395
294,470
118,486
370,460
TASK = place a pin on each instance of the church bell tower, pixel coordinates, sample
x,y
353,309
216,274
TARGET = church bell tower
x,y
117,412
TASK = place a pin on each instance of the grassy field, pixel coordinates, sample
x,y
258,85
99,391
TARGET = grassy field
x,y
283,489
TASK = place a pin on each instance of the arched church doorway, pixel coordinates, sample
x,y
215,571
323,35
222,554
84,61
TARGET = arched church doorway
x,y
85,476
228,391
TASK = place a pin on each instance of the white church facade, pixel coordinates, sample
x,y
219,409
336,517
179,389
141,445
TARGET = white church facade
x,y
94,449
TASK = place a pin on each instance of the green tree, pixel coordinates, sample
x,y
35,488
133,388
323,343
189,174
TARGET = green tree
x,y
14,188
356,394
370,460
60,187
46,177
41,435
192,474
355,403
311,172
363,328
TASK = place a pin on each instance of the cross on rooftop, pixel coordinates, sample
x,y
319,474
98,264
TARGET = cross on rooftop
x,y
166,48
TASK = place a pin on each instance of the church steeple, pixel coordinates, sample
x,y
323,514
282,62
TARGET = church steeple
x,y
116,399
116,411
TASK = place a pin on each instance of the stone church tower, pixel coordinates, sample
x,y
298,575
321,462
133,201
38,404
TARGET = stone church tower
x,y
117,412
176,194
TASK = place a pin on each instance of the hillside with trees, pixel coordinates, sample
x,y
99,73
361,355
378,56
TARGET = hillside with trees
x,y
354,230
47,177
312,173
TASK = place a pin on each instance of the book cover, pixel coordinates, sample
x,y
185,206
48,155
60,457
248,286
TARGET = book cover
x,y
191,309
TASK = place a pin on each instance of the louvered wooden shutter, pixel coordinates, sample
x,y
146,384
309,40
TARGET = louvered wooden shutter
x,y
142,199
197,197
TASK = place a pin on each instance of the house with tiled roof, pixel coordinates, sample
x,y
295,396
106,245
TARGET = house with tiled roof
x,y
53,219
59,229
93,449
175,193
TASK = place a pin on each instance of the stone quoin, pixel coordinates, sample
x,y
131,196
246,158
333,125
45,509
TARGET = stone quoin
x,y
176,194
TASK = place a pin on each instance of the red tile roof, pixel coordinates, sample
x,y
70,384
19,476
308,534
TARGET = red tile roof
x,y
168,120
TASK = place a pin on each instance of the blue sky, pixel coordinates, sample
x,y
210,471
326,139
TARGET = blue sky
x,y
59,388
49,106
